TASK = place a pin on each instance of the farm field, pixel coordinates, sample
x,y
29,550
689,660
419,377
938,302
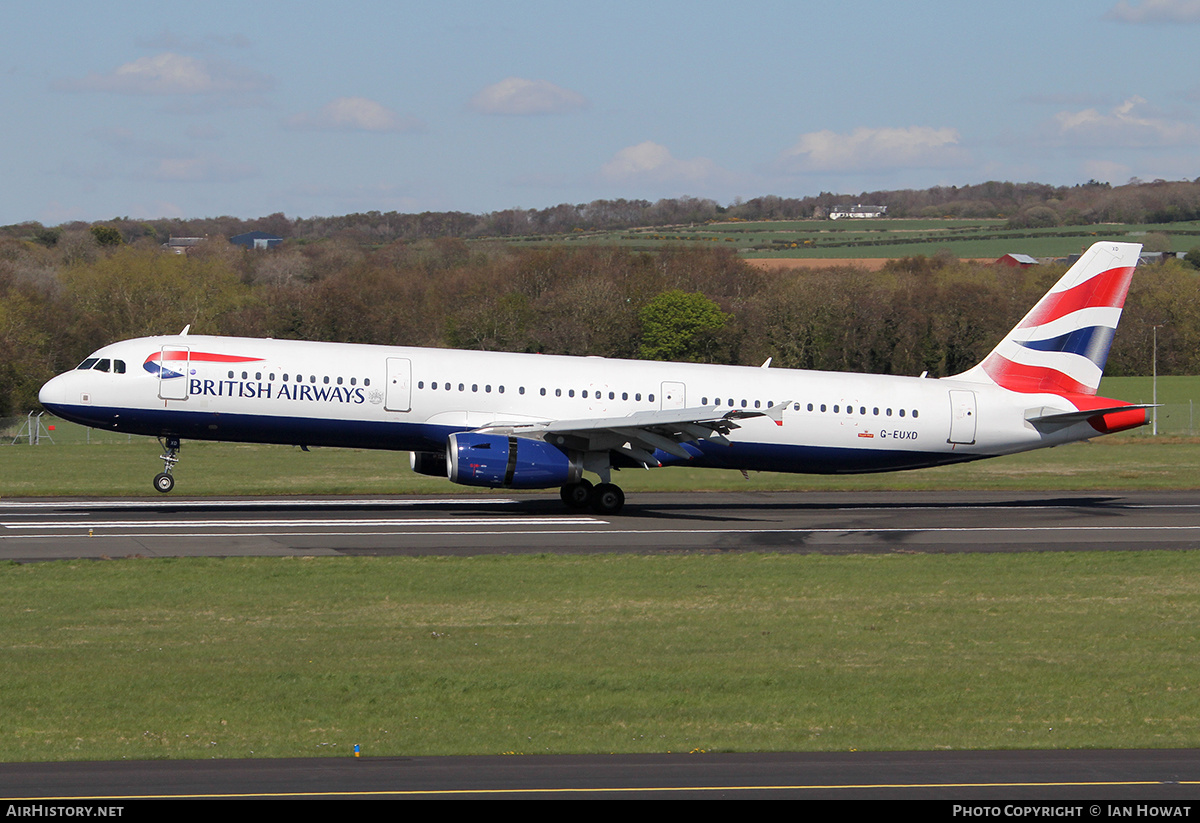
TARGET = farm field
x,y
877,238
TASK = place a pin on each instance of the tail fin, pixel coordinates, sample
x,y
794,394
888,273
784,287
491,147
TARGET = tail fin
x,y
1062,344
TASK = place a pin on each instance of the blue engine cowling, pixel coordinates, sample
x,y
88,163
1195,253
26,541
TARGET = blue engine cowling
x,y
512,462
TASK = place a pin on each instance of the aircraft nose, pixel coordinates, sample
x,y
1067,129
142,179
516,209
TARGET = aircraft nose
x,y
53,392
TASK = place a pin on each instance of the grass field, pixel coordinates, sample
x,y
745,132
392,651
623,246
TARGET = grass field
x,y
884,237
299,657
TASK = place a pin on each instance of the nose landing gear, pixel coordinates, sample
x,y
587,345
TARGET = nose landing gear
x,y
163,481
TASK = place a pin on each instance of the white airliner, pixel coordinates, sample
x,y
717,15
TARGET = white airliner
x,y
529,421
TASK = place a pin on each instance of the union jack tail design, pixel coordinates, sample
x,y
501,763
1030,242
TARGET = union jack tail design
x,y
1062,344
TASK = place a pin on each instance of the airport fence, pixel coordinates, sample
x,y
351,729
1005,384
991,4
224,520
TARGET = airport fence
x,y
44,429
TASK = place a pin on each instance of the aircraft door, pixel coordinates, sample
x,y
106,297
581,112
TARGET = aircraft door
x,y
174,365
962,417
399,384
674,396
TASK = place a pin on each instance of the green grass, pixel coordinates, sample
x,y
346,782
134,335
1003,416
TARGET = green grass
x,y
887,237
298,657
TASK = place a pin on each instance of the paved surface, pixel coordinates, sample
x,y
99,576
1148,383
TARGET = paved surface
x,y
831,523
1032,777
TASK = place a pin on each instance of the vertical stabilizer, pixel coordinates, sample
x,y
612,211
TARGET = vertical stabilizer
x,y
1061,346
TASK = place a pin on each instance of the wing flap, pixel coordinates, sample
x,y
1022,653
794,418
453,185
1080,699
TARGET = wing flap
x,y
639,435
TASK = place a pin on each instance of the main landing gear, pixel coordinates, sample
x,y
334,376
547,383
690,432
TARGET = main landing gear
x,y
163,481
606,498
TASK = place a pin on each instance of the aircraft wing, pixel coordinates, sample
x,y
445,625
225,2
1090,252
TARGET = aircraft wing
x,y
640,434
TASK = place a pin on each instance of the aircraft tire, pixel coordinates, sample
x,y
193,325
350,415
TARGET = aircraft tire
x,y
164,482
607,499
576,495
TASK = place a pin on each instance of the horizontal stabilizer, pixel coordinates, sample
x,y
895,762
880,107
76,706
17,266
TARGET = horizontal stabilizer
x,y
1113,418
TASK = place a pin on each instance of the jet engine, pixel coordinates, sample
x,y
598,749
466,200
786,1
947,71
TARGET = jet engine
x,y
512,462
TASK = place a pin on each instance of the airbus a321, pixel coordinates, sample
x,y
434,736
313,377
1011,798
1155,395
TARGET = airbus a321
x,y
531,421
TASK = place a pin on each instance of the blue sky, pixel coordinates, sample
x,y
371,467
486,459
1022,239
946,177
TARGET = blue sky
x,y
169,109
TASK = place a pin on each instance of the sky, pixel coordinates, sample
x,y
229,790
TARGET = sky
x,y
167,109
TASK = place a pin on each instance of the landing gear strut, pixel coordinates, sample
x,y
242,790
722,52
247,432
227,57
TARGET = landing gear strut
x,y
163,481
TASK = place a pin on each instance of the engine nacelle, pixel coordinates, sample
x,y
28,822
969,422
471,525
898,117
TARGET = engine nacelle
x,y
430,463
512,462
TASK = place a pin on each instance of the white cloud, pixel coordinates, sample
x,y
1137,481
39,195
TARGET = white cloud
x,y
652,162
1125,125
867,149
354,114
516,95
1156,11
172,74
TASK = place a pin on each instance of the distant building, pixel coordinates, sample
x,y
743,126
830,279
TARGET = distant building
x,y
256,240
180,245
1017,261
838,212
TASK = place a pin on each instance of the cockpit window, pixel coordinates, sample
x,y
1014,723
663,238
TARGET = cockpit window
x,y
102,364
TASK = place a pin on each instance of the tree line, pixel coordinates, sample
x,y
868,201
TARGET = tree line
x,y
1024,205
940,315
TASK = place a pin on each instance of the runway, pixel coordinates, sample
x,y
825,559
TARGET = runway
x,y
829,523
1074,779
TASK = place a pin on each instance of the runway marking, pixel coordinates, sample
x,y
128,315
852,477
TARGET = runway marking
x,y
307,523
290,502
284,527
